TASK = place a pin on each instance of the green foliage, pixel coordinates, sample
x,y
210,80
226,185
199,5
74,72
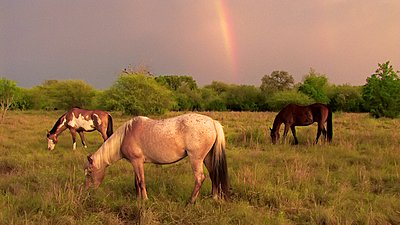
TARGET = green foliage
x,y
282,98
138,94
346,98
211,100
8,92
64,95
176,82
242,98
277,81
184,88
381,93
315,85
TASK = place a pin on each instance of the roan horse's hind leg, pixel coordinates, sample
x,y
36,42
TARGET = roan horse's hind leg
x,y
197,167
208,163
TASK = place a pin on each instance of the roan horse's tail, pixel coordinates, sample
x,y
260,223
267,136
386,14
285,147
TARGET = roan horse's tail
x,y
219,173
110,126
329,125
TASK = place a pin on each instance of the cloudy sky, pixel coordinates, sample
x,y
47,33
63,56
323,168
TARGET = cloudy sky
x,y
232,41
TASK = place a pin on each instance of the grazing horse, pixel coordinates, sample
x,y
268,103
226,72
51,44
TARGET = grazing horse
x,y
143,140
80,120
294,115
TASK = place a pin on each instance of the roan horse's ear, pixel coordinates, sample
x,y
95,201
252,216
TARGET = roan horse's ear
x,y
90,160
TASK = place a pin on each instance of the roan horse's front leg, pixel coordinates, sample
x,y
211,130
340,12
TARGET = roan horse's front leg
x,y
140,184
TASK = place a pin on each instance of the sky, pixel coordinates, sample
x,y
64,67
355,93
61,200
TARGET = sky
x,y
232,41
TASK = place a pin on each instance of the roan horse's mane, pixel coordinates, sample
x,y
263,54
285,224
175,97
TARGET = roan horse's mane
x,y
55,127
110,150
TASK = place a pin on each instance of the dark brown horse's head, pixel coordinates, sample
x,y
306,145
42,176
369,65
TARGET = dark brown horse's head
x,y
51,141
274,135
94,176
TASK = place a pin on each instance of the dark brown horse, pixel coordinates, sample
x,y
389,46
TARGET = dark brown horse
x,y
295,115
80,120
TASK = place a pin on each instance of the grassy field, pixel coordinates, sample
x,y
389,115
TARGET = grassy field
x,y
354,180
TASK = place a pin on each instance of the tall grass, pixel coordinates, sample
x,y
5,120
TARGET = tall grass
x,y
354,180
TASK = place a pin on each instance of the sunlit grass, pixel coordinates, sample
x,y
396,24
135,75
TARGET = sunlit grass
x,y
353,180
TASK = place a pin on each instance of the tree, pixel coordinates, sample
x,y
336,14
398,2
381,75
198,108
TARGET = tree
x,y
138,94
66,94
8,90
346,98
277,81
315,85
175,82
381,93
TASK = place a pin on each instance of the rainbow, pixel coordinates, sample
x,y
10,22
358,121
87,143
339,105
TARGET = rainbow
x,y
227,33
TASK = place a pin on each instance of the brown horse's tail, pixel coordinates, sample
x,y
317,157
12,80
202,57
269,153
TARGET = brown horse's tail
x,y
219,169
329,125
110,126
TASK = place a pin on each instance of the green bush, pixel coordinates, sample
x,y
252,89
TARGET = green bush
x,y
138,94
282,98
381,93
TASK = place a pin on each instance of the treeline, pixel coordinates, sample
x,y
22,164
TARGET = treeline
x,y
140,93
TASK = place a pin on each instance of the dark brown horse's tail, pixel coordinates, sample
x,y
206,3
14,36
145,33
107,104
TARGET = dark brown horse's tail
x,y
329,125
110,126
219,166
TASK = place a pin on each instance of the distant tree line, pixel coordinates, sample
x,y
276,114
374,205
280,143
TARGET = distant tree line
x,y
138,92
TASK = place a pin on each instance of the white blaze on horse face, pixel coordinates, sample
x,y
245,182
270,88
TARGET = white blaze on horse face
x,y
81,122
50,144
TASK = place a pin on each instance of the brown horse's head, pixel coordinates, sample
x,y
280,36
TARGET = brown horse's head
x,y
274,135
94,176
51,141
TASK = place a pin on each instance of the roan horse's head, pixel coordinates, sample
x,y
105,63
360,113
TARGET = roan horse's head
x,y
274,136
51,141
94,176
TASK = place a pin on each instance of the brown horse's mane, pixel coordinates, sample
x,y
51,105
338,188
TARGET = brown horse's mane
x,y
55,127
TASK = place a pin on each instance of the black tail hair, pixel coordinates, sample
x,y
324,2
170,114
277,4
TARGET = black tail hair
x,y
110,126
329,125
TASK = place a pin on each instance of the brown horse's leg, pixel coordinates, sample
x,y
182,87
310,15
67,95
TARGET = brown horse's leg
x,y
139,178
285,132
73,134
208,163
82,139
294,135
320,129
197,167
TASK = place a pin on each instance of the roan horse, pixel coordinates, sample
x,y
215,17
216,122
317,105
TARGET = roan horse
x,y
143,140
294,115
80,120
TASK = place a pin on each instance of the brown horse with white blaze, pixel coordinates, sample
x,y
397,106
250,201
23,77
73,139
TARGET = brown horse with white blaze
x,y
295,115
143,140
80,120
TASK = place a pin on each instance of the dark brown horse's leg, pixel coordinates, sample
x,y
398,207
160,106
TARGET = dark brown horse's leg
x,y
285,132
320,128
294,135
82,139
73,134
